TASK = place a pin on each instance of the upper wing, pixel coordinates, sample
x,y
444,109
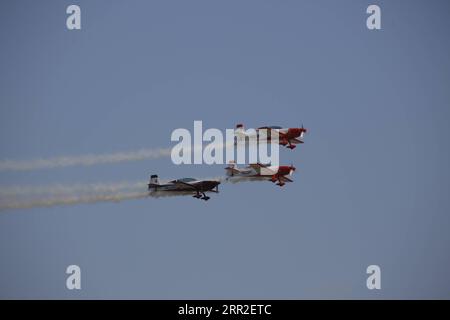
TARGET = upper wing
x,y
270,130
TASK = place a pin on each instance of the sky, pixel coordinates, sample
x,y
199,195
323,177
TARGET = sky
x,y
372,179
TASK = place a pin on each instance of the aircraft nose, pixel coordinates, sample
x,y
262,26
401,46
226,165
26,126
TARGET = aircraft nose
x,y
215,183
295,131
284,170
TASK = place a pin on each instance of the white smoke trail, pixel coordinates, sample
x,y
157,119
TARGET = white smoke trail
x,y
70,200
83,160
95,159
58,189
17,197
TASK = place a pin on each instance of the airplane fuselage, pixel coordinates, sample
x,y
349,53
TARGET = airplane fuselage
x,y
268,171
288,137
184,186
202,187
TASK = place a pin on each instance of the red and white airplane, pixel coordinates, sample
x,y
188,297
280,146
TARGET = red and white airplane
x,y
258,171
288,137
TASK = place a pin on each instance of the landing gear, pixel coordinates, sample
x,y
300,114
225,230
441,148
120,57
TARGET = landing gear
x,y
287,144
276,178
202,196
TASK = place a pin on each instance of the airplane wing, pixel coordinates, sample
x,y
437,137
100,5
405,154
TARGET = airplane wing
x,y
184,185
272,129
295,141
233,170
285,179
245,171
202,185
257,167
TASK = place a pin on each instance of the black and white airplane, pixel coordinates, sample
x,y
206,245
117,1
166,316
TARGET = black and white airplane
x,y
185,186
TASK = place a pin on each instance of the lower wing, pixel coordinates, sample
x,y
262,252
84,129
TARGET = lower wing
x,y
185,185
285,179
295,141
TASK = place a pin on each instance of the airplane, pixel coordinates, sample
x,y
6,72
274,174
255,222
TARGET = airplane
x,y
288,137
258,171
185,186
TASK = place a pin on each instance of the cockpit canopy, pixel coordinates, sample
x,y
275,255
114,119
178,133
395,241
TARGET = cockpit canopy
x,y
187,179
271,127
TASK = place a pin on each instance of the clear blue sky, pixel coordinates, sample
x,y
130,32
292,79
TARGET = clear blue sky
x,y
372,179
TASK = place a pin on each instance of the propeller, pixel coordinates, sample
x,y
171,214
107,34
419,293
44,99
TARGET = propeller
x,y
292,169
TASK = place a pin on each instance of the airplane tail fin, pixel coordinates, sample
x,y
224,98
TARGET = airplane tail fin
x,y
239,133
154,181
239,130
231,169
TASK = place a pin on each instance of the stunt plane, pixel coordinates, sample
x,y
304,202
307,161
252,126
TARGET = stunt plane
x,y
258,171
185,186
288,137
